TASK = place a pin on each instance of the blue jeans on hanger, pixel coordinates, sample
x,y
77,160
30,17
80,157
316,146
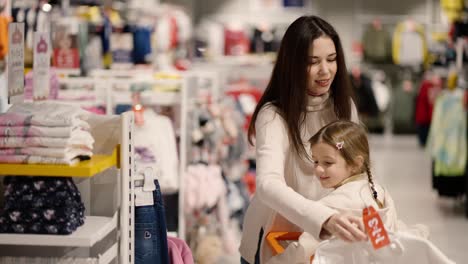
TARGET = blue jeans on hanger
x,y
150,232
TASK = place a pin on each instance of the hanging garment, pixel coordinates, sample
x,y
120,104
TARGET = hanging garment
x,y
447,141
366,103
155,146
377,45
41,205
424,107
453,9
365,99
381,93
262,40
141,44
150,227
409,47
425,102
406,248
403,108
236,42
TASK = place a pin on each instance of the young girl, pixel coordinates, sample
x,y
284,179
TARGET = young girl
x,y
340,153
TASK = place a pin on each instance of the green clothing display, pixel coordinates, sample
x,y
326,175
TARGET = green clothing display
x,y
377,45
403,110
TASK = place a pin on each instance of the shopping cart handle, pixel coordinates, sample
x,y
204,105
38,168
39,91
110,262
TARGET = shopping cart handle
x,y
273,239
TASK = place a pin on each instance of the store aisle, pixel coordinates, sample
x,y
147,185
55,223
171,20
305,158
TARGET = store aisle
x,y
404,169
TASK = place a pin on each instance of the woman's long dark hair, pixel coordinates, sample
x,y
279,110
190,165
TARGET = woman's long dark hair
x,y
287,89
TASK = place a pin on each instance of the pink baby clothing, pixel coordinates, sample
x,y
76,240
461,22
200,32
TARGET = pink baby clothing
x,y
82,139
39,131
60,153
179,251
20,119
44,114
24,159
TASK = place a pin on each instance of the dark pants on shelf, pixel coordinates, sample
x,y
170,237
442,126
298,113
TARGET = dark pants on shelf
x,y
150,232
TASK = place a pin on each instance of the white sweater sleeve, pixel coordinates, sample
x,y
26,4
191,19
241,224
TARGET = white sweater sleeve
x,y
272,144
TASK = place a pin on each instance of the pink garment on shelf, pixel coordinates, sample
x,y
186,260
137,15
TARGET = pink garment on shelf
x,y
95,110
17,119
53,90
204,187
24,159
38,131
83,139
179,251
61,153
45,113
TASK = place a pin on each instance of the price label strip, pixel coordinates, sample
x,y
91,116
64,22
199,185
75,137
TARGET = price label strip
x,y
15,59
42,53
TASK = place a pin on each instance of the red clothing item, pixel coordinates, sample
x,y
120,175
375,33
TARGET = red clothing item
x,y
425,102
242,87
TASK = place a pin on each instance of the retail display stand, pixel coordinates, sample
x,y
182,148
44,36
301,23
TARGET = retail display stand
x,y
105,81
95,228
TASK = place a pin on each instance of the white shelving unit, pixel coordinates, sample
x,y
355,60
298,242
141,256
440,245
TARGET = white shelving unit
x,y
92,231
95,228
113,87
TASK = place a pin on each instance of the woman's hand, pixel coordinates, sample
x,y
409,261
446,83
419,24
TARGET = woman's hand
x,y
346,227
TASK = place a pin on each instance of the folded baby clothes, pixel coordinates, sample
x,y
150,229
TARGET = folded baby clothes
x,y
40,131
60,153
27,159
19,119
41,205
49,108
45,114
81,139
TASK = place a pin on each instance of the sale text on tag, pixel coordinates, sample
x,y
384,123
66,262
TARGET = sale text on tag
x,y
375,228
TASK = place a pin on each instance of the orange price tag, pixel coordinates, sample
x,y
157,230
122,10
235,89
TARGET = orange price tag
x,y
139,116
375,228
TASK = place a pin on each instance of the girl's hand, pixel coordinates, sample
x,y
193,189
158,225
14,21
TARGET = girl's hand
x,y
346,227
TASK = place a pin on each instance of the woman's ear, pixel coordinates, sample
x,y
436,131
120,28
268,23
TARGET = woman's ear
x,y
358,163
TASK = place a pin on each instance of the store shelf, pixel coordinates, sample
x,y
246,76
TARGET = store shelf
x,y
94,229
148,98
88,168
109,255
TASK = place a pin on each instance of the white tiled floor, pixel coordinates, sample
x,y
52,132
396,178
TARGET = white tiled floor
x,y
401,166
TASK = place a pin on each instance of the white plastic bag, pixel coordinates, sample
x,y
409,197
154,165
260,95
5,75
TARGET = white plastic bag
x,y
404,248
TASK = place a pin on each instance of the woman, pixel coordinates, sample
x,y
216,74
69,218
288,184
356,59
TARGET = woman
x,y
308,89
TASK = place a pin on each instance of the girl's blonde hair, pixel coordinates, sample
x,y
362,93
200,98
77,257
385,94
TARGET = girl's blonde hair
x,y
351,140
